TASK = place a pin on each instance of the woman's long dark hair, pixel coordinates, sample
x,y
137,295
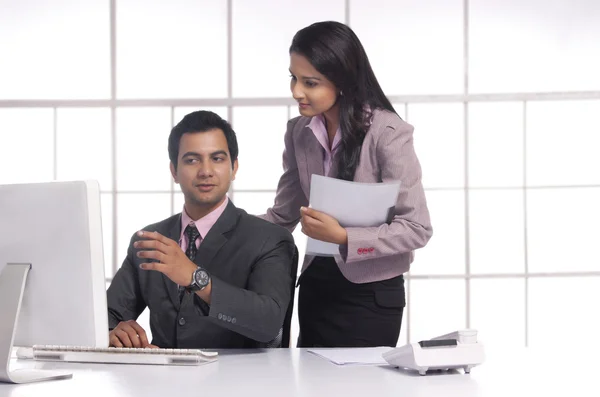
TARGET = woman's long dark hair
x,y
336,52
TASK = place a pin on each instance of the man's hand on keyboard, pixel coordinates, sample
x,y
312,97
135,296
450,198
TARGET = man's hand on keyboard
x,y
129,334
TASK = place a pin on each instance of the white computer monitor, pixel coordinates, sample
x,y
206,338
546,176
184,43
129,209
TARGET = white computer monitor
x,y
55,228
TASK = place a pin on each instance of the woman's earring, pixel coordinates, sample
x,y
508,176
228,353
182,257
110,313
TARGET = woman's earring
x,y
341,93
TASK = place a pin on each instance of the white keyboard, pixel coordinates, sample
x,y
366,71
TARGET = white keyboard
x,y
123,355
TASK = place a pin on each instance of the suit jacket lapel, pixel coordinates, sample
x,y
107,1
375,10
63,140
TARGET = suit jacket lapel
x,y
333,171
216,237
313,153
174,233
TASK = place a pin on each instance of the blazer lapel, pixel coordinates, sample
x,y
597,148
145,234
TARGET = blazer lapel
x,y
174,233
313,154
216,237
333,171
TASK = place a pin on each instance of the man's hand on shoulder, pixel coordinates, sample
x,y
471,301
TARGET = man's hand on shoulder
x,y
171,260
129,334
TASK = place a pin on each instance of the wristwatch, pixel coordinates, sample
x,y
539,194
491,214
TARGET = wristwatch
x,y
200,279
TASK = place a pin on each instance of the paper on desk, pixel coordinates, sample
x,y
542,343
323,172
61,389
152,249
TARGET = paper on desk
x,y
353,356
353,204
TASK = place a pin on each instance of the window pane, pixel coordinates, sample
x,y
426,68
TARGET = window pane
x,y
496,144
563,150
498,311
262,70
562,229
260,132
556,45
497,231
26,145
440,143
181,112
178,201
84,149
294,112
107,232
554,314
136,211
54,50
400,109
174,49
445,252
437,308
142,155
254,203
395,34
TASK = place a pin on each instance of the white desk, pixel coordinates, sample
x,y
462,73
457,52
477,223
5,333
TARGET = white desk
x,y
295,372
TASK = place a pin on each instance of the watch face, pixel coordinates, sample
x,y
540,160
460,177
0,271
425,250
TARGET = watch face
x,y
201,277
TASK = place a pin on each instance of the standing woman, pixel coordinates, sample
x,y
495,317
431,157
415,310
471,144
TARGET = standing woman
x,y
349,130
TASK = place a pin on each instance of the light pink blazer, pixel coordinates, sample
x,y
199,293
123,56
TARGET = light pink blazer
x,y
372,253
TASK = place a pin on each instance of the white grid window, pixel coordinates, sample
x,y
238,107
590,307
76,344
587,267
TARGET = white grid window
x,y
504,100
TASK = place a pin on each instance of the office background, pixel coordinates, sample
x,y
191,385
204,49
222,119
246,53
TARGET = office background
x,y
504,96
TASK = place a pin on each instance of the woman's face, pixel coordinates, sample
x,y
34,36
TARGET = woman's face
x,y
313,91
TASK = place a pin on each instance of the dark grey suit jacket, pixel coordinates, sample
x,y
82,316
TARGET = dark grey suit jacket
x,y
249,261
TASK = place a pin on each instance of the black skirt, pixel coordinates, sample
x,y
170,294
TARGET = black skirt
x,y
334,312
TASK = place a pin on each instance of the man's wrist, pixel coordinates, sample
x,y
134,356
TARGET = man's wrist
x,y
200,279
205,293
190,271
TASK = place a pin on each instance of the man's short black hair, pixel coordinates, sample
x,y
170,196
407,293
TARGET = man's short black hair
x,y
201,121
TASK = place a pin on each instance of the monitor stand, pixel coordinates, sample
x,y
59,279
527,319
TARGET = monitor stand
x,y
12,286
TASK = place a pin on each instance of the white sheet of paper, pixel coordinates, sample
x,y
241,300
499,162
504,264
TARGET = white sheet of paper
x,y
353,204
354,356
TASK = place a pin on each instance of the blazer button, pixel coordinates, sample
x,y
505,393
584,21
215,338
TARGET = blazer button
x,y
220,316
233,320
228,319
182,321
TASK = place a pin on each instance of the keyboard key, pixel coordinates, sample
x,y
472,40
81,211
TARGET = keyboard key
x,y
125,355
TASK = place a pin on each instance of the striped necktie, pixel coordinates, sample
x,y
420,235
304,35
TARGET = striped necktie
x,y
192,234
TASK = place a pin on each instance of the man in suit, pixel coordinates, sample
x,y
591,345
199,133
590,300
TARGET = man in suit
x,y
212,276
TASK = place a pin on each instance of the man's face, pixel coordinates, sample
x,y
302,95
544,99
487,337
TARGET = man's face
x,y
204,170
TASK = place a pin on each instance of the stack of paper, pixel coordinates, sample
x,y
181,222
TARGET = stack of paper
x,y
353,204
